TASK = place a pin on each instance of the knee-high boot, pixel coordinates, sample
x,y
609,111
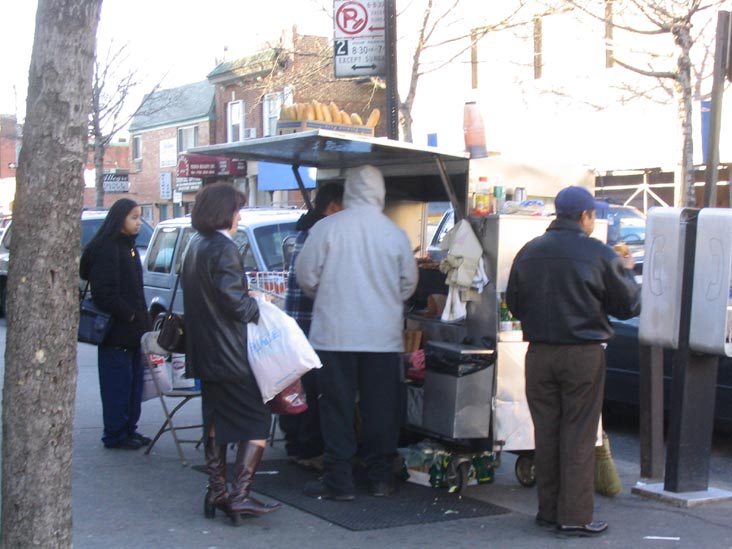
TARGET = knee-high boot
x,y
217,496
248,456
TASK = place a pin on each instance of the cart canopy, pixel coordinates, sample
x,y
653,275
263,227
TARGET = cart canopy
x,y
411,172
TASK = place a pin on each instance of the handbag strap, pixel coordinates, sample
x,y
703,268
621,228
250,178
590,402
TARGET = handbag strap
x,y
83,294
175,291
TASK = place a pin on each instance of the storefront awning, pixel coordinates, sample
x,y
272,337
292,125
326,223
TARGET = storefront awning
x,y
201,165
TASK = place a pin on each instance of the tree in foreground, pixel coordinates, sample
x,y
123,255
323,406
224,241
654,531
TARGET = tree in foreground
x,y
43,300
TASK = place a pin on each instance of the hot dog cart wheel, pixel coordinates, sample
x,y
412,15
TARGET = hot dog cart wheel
x,y
525,470
458,475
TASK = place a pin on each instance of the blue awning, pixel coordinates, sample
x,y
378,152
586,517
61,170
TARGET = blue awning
x,y
279,177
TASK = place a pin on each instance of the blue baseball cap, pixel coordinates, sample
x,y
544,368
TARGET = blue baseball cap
x,y
573,200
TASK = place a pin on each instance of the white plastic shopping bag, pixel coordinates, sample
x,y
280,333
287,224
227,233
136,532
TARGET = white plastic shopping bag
x,y
178,369
156,371
279,352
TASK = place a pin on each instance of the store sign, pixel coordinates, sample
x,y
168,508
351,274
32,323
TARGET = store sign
x,y
116,183
168,152
166,186
201,165
359,33
188,184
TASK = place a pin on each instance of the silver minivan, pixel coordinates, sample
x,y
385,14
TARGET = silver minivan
x,y
91,220
261,238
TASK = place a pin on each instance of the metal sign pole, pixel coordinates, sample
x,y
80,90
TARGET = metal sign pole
x,y
721,67
392,93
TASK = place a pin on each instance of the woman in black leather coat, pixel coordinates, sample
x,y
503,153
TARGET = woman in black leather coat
x,y
112,266
217,309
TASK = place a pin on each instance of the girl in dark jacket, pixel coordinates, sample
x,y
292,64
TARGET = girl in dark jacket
x,y
111,265
217,308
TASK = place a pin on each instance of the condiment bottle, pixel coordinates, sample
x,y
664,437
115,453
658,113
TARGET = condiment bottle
x,y
474,131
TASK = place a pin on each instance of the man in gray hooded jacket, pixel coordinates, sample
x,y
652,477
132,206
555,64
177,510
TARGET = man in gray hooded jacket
x,y
359,268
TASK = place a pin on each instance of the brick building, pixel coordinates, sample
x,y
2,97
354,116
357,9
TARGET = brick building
x,y
241,99
169,123
250,91
10,140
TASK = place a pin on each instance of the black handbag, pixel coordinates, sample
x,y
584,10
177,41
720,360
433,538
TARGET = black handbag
x,y
172,335
94,324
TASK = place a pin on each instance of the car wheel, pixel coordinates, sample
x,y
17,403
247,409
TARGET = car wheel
x,y
158,322
525,471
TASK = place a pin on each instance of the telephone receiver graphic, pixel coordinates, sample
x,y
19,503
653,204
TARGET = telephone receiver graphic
x,y
656,256
716,255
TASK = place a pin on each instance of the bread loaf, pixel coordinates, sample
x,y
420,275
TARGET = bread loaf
x,y
356,119
335,113
325,111
318,108
345,118
373,118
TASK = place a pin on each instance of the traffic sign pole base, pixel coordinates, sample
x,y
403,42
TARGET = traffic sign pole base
x,y
680,499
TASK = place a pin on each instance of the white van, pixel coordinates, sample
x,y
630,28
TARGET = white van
x,y
259,238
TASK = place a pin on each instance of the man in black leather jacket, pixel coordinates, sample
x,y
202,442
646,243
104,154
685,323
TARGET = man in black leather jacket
x,y
562,286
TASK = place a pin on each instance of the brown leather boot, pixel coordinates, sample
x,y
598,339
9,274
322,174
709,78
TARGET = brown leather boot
x,y
248,456
217,497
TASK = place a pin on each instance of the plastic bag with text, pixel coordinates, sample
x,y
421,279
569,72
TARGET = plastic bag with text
x,y
279,352
155,377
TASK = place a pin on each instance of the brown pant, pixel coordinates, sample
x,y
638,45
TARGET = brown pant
x,y
564,388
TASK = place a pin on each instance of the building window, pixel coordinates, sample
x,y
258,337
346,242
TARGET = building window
x,y
147,212
187,138
136,147
163,211
271,113
235,121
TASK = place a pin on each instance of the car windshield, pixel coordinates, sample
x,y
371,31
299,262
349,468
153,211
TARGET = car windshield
x,y
269,239
89,228
625,224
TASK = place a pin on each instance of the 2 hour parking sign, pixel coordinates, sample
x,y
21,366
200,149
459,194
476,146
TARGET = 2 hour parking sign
x,y
359,38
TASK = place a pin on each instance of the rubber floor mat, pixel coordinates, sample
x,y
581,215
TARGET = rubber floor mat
x,y
411,504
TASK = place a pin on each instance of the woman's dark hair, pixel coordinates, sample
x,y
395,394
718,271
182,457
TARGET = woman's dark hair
x,y
111,227
215,207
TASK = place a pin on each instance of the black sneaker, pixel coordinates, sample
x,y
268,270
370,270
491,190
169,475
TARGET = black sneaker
x,y
142,439
382,489
586,531
127,444
318,489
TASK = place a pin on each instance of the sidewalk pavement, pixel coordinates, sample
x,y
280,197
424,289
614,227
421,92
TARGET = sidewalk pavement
x,y
124,499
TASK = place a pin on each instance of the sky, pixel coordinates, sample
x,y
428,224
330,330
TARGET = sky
x,y
178,39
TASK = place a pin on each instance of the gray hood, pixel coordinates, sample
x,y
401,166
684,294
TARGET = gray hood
x,y
364,187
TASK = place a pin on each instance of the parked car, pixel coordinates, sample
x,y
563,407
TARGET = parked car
x,y
91,220
626,224
623,367
260,237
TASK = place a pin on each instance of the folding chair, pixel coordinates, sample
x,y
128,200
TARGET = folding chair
x,y
150,346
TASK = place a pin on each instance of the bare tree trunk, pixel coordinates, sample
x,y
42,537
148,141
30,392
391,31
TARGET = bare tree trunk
x,y
99,148
42,312
683,40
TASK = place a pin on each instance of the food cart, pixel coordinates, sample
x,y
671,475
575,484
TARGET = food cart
x,y
474,382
